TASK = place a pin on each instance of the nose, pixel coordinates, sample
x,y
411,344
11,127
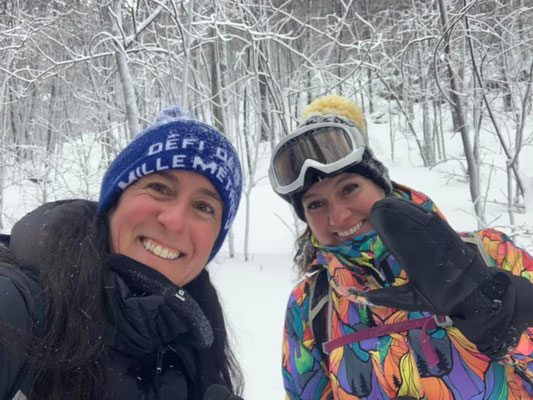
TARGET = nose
x,y
337,213
173,215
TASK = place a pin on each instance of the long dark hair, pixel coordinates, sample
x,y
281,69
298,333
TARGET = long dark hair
x,y
217,364
305,252
69,350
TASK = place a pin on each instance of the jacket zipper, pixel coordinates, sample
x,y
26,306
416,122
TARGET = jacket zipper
x,y
159,362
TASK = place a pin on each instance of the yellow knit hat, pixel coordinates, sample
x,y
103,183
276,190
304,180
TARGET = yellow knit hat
x,y
335,104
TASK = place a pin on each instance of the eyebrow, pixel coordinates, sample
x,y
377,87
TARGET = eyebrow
x,y
344,178
205,191
307,195
340,181
211,193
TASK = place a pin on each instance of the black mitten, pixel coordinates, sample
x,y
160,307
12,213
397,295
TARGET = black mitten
x,y
443,270
448,277
219,392
495,333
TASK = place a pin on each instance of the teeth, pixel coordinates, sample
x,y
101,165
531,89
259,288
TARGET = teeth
x,y
351,231
159,251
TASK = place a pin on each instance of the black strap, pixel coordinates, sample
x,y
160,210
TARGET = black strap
x,y
318,299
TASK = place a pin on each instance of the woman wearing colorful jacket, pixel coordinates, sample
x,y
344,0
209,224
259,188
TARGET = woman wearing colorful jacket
x,y
410,309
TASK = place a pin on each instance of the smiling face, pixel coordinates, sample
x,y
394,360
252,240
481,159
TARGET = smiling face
x,y
168,221
338,208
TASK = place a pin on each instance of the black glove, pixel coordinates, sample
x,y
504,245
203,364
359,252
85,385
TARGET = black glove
x,y
448,277
219,392
442,269
496,333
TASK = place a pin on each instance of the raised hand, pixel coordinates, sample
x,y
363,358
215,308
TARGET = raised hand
x,y
443,270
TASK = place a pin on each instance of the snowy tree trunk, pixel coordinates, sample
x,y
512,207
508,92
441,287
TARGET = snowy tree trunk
x,y
460,113
123,69
130,100
186,57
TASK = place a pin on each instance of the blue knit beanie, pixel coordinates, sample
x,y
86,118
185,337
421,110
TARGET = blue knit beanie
x,y
177,140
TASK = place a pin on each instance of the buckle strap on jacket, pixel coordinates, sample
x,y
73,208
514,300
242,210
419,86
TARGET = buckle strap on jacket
x,y
426,323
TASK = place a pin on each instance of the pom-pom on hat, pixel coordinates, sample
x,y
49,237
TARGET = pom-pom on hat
x,y
339,109
177,140
338,106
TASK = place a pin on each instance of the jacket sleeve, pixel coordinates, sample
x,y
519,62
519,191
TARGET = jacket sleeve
x,y
304,372
15,326
518,264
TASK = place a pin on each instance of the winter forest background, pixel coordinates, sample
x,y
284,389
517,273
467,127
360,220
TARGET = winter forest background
x,y
83,76
445,87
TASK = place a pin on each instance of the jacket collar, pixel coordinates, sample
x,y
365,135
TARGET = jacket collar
x,y
149,311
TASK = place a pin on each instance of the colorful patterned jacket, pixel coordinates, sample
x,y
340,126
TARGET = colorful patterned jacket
x,y
394,365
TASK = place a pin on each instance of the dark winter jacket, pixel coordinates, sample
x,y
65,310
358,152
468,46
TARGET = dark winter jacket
x,y
154,329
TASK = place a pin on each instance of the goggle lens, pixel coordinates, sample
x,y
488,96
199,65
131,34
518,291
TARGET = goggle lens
x,y
324,145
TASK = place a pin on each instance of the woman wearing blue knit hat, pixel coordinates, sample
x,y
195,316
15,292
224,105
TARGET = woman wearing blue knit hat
x,y
111,300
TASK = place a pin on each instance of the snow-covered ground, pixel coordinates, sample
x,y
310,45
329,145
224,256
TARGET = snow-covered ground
x,y
254,293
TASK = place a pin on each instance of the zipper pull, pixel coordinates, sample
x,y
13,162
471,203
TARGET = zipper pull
x,y
159,361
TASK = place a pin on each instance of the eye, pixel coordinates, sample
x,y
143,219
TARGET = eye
x,y
313,205
207,208
349,188
159,188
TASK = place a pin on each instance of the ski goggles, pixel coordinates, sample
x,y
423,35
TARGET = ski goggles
x,y
327,147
